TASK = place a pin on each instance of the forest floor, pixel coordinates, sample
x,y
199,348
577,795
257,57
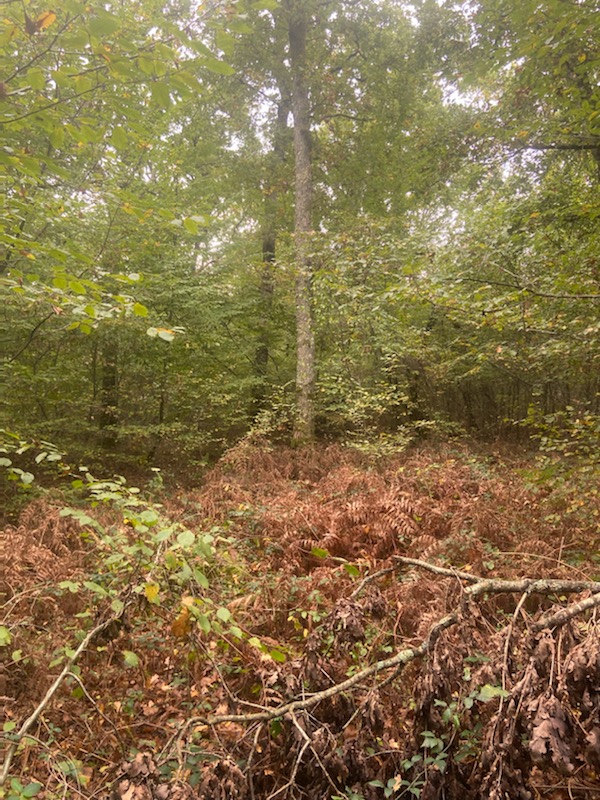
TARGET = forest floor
x,y
313,623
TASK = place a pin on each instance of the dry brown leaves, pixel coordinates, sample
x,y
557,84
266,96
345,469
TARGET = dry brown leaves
x,y
542,728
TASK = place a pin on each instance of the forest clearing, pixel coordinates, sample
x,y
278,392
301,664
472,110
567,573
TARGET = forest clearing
x,y
300,420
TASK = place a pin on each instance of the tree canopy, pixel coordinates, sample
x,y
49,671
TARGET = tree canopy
x,y
450,249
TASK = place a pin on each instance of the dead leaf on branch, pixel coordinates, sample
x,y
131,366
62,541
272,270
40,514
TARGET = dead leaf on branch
x,y
552,737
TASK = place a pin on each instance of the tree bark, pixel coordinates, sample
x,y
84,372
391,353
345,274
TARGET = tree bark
x,y
304,427
109,394
270,227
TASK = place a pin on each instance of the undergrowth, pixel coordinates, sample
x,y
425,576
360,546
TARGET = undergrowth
x,y
277,579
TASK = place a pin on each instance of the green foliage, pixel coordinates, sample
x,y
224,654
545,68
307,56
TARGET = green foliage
x,y
145,249
18,791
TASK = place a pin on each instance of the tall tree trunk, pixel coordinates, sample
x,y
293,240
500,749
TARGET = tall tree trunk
x,y
304,427
271,224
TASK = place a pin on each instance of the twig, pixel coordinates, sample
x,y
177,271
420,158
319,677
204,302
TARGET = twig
x,y
308,742
251,758
294,770
509,634
29,722
450,572
369,579
78,680
480,586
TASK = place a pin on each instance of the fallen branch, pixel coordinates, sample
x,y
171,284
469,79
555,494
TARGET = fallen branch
x,y
500,585
399,659
565,614
524,586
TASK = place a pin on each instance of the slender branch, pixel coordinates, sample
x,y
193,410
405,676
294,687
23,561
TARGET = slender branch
x,y
501,586
524,288
559,146
53,104
297,763
43,52
369,579
399,659
66,670
31,337
449,571
565,614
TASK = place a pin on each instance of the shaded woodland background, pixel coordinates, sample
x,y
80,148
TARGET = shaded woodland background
x,y
149,171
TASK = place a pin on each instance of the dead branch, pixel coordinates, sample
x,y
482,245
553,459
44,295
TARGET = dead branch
x,y
399,659
565,614
500,585
449,571
480,586
66,670
531,586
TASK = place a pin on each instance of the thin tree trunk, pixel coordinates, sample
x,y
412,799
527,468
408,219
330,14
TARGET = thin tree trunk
x,y
271,224
304,428
109,394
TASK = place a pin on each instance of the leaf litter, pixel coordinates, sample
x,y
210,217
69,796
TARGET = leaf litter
x,y
308,567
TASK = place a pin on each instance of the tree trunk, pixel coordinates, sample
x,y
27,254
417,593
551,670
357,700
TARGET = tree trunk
x,y
109,394
304,428
271,224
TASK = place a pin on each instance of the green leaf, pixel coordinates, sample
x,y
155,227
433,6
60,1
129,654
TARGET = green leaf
x,y
31,789
5,636
190,225
352,570
77,287
130,659
104,24
204,623
96,588
119,138
225,42
489,692
36,79
9,726
140,310
201,578
57,137
186,539
117,605
214,65
239,26
160,95
27,478
224,614
71,586
5,462
265,5
319,552
278,655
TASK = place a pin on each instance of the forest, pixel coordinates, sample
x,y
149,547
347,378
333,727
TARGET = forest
x,y
300,412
